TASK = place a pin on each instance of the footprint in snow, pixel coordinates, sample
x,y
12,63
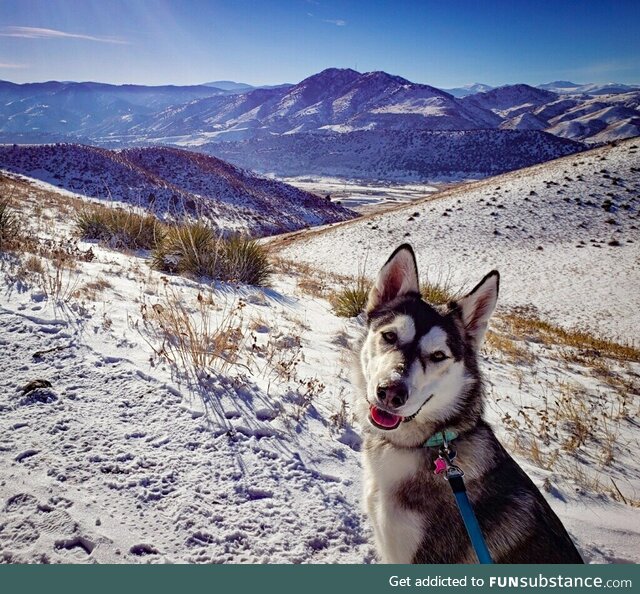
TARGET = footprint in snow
x,y
78,546
38,396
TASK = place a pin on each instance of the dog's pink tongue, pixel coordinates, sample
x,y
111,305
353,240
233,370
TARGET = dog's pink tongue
x,y
384,419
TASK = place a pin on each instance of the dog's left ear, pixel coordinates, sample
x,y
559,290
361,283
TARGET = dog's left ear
x,y
476,307
399,276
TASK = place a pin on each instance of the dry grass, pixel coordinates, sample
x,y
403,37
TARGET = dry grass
x,y
9,226
438,288
350,301
312,286
119,228
510,349
199,339
59,281
574,432
33,264
533,328
92,289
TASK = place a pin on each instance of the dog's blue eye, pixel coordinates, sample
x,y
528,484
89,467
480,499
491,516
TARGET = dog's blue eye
x,y
390,337
437,356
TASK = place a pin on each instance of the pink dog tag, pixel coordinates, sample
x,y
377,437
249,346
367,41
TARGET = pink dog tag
x,y
441,466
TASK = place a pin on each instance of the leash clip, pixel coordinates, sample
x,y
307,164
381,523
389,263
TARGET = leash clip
x,y
444,462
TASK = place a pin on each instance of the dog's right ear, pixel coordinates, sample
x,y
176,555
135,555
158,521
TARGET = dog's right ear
x,y
398,277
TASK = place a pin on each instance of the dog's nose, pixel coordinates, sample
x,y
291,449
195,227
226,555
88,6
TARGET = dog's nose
x,y
392,395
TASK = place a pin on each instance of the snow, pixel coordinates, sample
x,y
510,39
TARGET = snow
x,y
361,196
129,458
577,279
124,460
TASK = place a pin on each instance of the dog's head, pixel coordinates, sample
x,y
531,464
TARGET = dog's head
x,y
419,363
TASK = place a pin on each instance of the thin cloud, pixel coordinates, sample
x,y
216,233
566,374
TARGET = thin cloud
x,y
336,22
11,65
40,33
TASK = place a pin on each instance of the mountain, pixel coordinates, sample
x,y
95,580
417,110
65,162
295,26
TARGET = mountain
x,y
334,100
87,109
402,155
229,85
468,90
564,87
524,121
594,119
174,183
334,103
509,100
600,118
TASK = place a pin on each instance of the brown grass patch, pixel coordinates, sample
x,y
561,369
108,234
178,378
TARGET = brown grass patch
x,y
531,327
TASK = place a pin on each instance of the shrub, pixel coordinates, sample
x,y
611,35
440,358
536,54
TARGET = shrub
x,y
9,225
189,248
196,250
119,228
350,301
245,261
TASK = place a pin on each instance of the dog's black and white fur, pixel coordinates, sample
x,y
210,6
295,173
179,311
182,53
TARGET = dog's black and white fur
x,y
419,375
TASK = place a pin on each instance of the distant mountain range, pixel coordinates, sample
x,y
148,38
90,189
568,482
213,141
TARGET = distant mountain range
x,y
468,89
562,87
334,103
175,183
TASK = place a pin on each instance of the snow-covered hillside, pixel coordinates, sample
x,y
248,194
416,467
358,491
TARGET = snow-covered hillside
x,y
565,236
565,87
469,89
399,155
133,449
510,100
174,183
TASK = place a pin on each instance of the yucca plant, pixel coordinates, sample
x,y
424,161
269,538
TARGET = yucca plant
x,y
119,228
189,248
245,261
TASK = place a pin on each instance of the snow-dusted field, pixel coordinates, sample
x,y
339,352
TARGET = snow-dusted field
x,y
122,460
134,454
548,229
362,196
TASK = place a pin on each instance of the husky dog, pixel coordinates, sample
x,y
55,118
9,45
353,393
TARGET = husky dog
x,y
419,377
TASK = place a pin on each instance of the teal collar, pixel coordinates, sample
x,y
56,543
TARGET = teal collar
x,y
439,438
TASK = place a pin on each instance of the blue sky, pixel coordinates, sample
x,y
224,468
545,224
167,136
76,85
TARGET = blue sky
x,y
443,43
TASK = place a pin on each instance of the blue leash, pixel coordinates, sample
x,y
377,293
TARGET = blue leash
x,y
468,517
454,475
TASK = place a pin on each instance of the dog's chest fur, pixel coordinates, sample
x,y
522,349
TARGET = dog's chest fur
x,y
398,530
